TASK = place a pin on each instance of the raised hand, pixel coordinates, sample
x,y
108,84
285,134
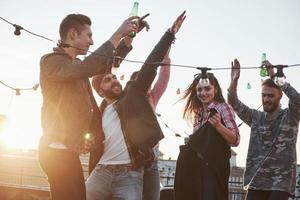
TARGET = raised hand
x,y
235,70
141,23
129,25
177,24
269,67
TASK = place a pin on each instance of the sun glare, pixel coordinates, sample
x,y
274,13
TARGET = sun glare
x,y
16,134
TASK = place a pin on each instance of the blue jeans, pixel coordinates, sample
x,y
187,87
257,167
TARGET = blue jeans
x,y
151,188
104,184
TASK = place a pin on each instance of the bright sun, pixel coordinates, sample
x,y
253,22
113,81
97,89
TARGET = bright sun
x,y
14,137
21,130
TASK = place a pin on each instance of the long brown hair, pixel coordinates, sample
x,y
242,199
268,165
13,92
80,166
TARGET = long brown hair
x,y
193,104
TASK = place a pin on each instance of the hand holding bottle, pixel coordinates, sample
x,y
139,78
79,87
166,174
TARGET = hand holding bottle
x,y
140,23
269,67
126,27
263,71
129,25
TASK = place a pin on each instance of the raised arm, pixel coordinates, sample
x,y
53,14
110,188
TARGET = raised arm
x,y
162,81
290,92
243,111
59,66
294,102
148,70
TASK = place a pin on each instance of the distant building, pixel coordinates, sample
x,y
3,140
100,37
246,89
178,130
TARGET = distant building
x,y
167,171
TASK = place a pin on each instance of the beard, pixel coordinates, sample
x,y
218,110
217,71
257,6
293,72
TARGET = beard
x,y
269,108
111,94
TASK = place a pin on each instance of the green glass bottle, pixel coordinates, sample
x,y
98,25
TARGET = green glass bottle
x,y
263,70
134,12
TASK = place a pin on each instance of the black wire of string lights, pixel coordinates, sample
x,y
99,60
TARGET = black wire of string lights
x,y
167,126
18,90
17,32
18,29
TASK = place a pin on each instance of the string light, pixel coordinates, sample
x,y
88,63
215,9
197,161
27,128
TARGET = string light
x,y
203,81
64,45
166,125
17,29
248,86
18,90
279,78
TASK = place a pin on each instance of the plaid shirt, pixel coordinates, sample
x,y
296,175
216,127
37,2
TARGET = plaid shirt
x,y
227,115
271,161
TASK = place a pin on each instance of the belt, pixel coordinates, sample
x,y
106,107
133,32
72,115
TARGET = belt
x,y
118,168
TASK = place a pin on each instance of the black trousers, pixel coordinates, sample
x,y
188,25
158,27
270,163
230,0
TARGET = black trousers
x,y
267,195
64,172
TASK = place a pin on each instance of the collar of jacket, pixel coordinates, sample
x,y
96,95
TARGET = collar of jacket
x,y
60,51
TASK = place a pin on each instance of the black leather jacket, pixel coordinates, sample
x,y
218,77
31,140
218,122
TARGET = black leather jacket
x,y
138,121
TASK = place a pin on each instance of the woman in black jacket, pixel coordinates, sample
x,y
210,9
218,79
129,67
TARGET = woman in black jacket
x,y
203,167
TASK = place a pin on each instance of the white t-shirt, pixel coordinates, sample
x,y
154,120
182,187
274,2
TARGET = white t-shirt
x,y
115,148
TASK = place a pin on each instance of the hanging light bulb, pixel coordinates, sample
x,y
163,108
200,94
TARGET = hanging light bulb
x,y
18,91
279,78
18,29
203,81
248,86
35,87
